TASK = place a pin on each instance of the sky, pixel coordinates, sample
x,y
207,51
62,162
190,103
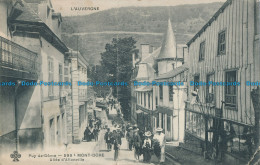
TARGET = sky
x,y
67,7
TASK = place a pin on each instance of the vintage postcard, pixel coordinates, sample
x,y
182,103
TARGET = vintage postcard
x,y
129,82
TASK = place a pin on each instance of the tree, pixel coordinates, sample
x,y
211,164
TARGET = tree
x,y
116,61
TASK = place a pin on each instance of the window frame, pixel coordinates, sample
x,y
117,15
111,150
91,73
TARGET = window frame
x,y
50,76
219,53
207,89
196,87
228,104
161,92
202,52
171,93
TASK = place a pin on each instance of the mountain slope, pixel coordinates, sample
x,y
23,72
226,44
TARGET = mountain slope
x,y
145,24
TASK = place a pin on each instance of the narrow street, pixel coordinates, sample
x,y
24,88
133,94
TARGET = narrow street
x,y
90,153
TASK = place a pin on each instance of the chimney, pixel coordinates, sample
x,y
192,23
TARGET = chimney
x,y
145,50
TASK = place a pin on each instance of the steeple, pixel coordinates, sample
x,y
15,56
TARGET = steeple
x,y
168,50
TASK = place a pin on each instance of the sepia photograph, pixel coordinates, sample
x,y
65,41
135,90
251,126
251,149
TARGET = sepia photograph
x,y
129,82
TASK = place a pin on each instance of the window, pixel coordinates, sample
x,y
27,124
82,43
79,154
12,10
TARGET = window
x,y
141,98
222,43
161,92
170,93
196,81
173,66
230,91
202,51
50,70
149,102
168,123
257,17
156,102
210,89
145,99
60,76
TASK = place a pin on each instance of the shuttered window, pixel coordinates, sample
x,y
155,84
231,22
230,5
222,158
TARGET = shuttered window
x,y
222,43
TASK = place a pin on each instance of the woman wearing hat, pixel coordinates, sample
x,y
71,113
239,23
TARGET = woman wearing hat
x,y
160,137
147,147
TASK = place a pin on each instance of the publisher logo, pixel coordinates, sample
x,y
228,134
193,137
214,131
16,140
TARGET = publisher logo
x,y
15,155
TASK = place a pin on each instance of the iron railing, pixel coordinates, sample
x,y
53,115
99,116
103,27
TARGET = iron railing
x,y
17,58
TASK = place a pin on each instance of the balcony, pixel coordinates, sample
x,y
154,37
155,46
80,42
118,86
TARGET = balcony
x,y
17,61
83,95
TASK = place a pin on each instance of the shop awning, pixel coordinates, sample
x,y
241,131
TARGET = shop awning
x,y
139,111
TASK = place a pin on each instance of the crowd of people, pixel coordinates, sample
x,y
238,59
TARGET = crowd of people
x,y
143,143
114,137
92,130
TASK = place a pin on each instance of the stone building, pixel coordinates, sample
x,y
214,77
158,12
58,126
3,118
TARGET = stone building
x,y
20,106
32,52
77,116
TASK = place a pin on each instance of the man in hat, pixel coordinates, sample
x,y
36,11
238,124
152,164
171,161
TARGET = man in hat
x,y
117,143
160,137
129,138
147,147
107,138
137,144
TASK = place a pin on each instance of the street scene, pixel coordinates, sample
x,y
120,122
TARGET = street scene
x,y
130,82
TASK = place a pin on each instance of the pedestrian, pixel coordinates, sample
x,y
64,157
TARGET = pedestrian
x,y
107,138
117,143
95,132
130,138
137,144
147,147
160,137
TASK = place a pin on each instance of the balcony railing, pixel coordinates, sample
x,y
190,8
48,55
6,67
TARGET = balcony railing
x,y
83,95
207,109
17,61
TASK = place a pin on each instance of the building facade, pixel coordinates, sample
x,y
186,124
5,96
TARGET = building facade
x,y
20,116
225,50
53,112
161,105
169,98
77,116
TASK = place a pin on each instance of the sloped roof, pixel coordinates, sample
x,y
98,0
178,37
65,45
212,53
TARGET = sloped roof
x,y
174,72
150,59
26,13
168,49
